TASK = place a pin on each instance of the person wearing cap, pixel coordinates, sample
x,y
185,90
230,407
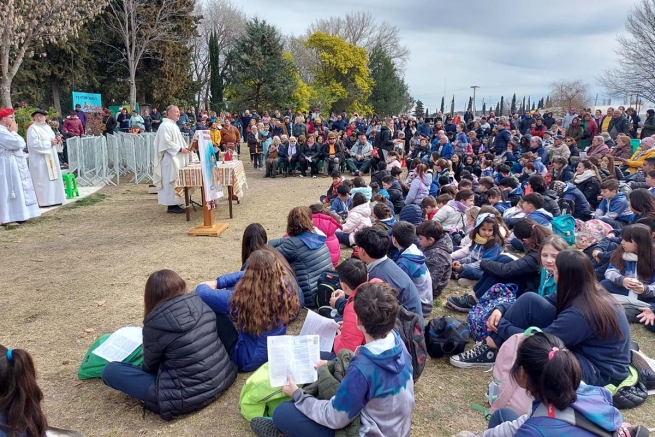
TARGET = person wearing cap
x,y
81,115
170,150
648,128
18,201
645,151
44,162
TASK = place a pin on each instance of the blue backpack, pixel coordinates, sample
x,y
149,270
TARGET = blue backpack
x,y
564,226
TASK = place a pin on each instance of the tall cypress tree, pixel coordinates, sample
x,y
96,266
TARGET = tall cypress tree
x,y
484,109
442,108
513,106
502,104
215,79
470,106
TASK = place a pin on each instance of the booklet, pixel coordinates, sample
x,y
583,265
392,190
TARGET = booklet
x,y
120,344
295,356
325,328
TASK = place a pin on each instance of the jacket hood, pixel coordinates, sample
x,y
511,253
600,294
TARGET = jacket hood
x,y
326,223
550,193
457,206
426,179
415,261
180,314
619,196
541,215
364,210
390,360
312,240
517,190
389,222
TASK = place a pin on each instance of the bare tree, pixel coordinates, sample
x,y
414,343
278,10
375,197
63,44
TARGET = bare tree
x,y
227,22
140,24
304,58
361,29
636,56
569,94
28,23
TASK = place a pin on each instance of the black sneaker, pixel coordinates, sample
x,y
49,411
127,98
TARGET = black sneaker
x,y
480,356
328,311
264,427
462,303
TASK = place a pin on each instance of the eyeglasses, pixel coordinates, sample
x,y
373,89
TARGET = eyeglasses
x,y
569,141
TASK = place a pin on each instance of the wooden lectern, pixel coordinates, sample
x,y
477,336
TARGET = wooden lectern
x,y
208,227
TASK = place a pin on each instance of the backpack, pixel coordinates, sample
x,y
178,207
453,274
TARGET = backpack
x,y
327,283
258,398
566,206
446,335
503,391
410,329
477,317
591,232
564,226
92,365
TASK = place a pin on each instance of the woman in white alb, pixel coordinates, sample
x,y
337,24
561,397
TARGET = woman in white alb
x,y
44,163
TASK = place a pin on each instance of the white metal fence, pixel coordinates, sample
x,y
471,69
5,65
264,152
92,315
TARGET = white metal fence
x,y
105,160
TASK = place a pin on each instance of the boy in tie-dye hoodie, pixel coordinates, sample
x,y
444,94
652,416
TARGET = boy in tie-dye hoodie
x,y
378,384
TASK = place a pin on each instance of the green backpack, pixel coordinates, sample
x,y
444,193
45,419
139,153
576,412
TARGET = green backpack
x,y
564,226
258,398
92,365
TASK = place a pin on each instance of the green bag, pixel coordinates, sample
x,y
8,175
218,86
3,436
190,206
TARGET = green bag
x,y
92,365
258,398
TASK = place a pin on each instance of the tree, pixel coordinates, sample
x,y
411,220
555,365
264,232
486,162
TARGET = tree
x,y
259,74
528,107
442,108
523,106
419,109
141,25
389,93
470,105
497,111
215,80
342,78
28,24
540,105
452,107
502,105
484,108
569,94
533,106
361,29
548,104
635,73
513,107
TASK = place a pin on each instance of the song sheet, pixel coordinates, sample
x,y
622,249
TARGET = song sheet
x,y
295,356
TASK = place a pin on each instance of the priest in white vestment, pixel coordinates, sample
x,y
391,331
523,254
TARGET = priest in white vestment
x,y
44,162
17,198
170,151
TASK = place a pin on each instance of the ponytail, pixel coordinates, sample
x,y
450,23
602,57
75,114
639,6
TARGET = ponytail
x,y
552,373
20,395
528,229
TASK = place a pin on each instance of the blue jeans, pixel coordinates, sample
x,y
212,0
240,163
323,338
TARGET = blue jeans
x,y
502,415
487,280
343,238
291,422
470,273
615,289
131,380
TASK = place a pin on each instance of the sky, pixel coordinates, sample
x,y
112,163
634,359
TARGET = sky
x,y
503,46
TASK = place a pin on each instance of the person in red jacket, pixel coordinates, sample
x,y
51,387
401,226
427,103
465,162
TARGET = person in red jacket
x,y
538,129
73,126
352,274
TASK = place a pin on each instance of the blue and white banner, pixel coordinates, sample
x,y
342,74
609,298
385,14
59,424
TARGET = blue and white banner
x,y
89,102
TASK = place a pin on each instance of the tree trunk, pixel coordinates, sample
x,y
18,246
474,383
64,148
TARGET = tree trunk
x,y
55,94
132,89
5,91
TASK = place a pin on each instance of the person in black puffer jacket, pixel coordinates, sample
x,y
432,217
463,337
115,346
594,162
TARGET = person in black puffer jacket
x,y
185,365
306,251
538,185
383,140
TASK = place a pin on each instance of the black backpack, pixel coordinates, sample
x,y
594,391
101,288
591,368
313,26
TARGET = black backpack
x,y
446,336
327,283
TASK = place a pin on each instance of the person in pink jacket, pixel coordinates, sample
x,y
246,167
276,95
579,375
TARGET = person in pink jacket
x,y
359,217
73,126
329,225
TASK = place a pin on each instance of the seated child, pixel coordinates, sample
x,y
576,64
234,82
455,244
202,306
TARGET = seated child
x,y
361,187
393,160
384,407
329,223
650,181
511,190
614,209
352,273
343,202
359,217
380,174
495,198
383,217
437,248
486,243
412,261
429,204
332,193
532,206
451,215
396,197
265,287
184,369
397,175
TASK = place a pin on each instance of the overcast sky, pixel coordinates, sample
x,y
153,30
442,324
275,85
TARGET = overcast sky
x,y
504,46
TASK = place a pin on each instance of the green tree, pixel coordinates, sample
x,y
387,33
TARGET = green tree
x,y
260,76
470,105
342,76
502,105
523,106
484,109
513,106
548,102
452,106
442,107
388,96
497,109
419,109
215,80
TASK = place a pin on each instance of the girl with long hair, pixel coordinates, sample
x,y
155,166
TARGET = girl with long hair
x,y
590,323
486,243
587,179
504,269
185,362
632,265
642,204
420,186
263,303
551,247
608,162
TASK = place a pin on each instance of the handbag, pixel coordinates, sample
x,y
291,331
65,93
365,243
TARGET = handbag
x,y
446,336
375,154
496,295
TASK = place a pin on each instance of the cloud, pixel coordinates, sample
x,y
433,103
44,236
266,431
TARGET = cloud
x,y
504,46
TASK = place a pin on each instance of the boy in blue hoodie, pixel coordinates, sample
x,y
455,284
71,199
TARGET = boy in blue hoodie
x,y
411,260
343,202
533,207
614,209
378,384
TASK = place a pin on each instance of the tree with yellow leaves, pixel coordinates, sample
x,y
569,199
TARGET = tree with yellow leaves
x,y
341,79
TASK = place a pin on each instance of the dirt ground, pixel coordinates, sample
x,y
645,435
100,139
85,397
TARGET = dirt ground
x,y
77,273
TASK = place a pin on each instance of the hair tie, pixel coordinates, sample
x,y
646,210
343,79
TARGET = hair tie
x,y
10,354
552,353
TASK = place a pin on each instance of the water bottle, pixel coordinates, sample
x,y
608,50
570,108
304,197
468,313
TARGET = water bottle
x,y
631,294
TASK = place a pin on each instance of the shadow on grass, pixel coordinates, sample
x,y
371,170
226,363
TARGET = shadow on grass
x,y
87,201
